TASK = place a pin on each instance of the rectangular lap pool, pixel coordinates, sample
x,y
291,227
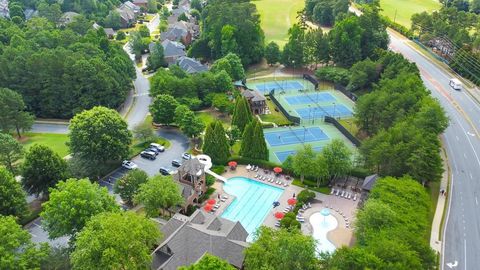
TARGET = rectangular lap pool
x,y
252,204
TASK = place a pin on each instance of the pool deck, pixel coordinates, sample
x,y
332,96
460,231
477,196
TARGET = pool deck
x,y
341,236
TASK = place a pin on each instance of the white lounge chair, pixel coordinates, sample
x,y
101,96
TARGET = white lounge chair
x,y
338,192
309,205
343,193
355,197
332,191
286,184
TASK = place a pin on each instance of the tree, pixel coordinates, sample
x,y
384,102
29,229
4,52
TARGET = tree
x,y
223,81
179,114
345,42
58,258
182,17
304,162
152,6
113,20
13,196
234,135
144,31
351,258
12,112
362,74
289,249
128,185
272,53
137,44
229,44
253,142
115,241
289,222
42,169
191,125
72,203
156,59
10,151
158,192
144,132
80,24
120,35
52,12
232,64
208,262
222,103
242,114
18,251
215,143
163,109
338,158
320,170
292,55
100,135
196,4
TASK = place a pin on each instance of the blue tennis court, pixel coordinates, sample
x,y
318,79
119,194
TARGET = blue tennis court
x,y
309,98
282,155
295,136
266,87
319,112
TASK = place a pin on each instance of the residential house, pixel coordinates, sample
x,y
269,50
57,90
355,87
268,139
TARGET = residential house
x,y
191,178
191,65
188,239
141,3
257,101
177,12
4,11
175,33
131,6
30,13
127,17
369,182
172,51
109,32
67,17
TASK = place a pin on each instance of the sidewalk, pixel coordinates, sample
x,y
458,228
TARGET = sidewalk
x,y
436,232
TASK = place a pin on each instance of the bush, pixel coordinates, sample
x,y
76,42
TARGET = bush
x,y
289,222
206,195
360,172
397,27
261,163
334,74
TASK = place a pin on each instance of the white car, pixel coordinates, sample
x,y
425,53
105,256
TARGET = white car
x,y
186,156
160,148
127,164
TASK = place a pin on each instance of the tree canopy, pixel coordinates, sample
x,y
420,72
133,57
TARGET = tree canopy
x,y
72,203
215,143
76,71
242,115
12,112
158,192
208,262
115,241
253,142
14,201
128,185
163,109
10,151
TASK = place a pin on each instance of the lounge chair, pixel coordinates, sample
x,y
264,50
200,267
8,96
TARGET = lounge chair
x,y
301,210
256,168
355,197
301,219
338,192
256,175
332,191
216,206
309,205
223,200
224,197
277,224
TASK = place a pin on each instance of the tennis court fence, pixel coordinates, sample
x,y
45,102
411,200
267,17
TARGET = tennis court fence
x,y
343,130
294,119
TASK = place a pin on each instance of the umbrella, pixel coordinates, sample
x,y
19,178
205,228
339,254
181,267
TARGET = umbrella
x,y
211,201
291,201
277,170
208,207
279,215
232,163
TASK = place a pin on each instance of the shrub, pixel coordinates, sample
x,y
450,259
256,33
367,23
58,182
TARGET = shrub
x,y
290,222
334,74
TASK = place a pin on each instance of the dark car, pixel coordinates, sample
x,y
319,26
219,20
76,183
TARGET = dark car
x,y
164,171
148,155
176,163
154,150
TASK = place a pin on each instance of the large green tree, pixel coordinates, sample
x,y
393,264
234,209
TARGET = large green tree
x,y
115,241
216,144
72,203
163,109
16,249
230,63
242,115
10,151
253,142
99,135
293,51
12,112
281,249
338,158
191,125
272,53
42,169
128,185
304,162
159,192
13,196
345,42
156,59
208,262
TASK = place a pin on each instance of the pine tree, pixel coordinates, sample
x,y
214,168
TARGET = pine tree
x,y
221,147
247,140
241,114
209,140
260,151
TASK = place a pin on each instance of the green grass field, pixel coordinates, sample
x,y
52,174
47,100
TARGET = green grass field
x,y
277,16
406,8
55,141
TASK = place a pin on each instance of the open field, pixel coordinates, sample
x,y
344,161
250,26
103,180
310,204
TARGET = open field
x,y
55,141
406,8
277,16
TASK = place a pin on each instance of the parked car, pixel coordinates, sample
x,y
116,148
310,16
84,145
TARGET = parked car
x,y
186,156
129,165
164,171
148,154
153,149
160,148
176,163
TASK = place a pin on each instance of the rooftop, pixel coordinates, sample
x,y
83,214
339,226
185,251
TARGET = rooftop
x,y
191,65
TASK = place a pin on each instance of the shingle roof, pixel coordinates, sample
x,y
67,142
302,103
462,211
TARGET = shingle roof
x,y
369,182
173,33
173,48
191,65
254,95
194,237
129,5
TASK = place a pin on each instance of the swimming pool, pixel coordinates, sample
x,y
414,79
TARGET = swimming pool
x,y
321,226
252,204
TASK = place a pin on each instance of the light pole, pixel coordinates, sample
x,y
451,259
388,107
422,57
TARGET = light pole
x,y
334,109
304,131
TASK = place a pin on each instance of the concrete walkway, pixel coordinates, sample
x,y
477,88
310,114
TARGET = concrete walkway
x,y
436,233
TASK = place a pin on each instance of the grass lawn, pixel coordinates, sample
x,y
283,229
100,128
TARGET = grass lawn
x,y
310,184
433,190
274,116
349,124
406,8
210,116
57,142
277,16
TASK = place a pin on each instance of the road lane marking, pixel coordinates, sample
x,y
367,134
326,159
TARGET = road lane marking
x,y
465,248
476,201
471,176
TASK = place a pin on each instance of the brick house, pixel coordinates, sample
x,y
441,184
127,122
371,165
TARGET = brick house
x,y
191,179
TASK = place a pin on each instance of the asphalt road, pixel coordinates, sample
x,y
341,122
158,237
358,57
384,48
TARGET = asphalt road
x,y
461,141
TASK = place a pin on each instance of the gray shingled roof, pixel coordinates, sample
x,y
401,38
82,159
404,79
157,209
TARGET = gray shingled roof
x,y
174,33
369,182
254,95
191,65
173,48
197,235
